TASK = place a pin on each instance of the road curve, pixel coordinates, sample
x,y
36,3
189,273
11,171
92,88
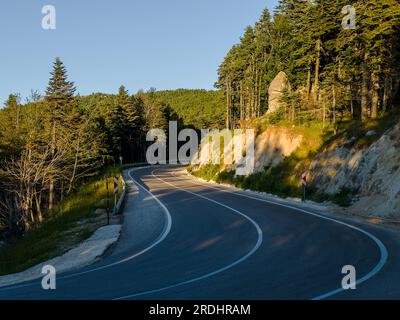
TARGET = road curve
x,y
183,239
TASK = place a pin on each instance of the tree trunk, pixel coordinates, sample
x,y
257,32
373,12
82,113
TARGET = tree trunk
x,y
334,102
293,112
259,95
71,181
365,98
17,120
38,207
228,104
350,88
28,206
241,102
317,66
248,103
387,93
375,96
51,184
309,82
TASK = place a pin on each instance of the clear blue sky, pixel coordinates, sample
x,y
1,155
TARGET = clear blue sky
x,y
165,44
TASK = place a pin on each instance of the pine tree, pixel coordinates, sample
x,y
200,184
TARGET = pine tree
x,y
60,91
129,112
59,96
129,122
380,26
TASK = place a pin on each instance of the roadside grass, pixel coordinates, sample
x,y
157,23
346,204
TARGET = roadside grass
x,y
344,198
69,224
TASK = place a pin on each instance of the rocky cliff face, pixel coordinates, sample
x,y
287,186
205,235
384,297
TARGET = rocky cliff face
x,y
372,172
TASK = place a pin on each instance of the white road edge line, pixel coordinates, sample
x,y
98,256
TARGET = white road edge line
x,y
163,235
383,250
208,275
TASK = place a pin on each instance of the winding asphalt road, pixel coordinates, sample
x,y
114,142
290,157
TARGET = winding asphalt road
x,y
184,239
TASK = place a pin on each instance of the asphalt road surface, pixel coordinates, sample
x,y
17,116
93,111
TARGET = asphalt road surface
x,y
184,239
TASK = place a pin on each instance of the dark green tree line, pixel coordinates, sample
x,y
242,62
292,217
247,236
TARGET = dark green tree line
x,y
331,68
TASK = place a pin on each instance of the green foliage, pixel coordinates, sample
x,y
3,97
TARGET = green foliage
x,y
60,92
277,117
200,109
11,129
59,88
357,132
48,148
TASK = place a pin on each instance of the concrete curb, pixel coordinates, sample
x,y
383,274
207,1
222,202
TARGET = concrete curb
x,y
83,255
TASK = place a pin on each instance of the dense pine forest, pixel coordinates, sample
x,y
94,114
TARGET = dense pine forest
x,y
334,72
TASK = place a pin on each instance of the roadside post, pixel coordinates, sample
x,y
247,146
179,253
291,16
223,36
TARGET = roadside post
x,y
108,202
304,184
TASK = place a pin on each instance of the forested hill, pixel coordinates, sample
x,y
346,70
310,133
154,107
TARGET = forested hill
x,y
198,108
338,65
50,145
